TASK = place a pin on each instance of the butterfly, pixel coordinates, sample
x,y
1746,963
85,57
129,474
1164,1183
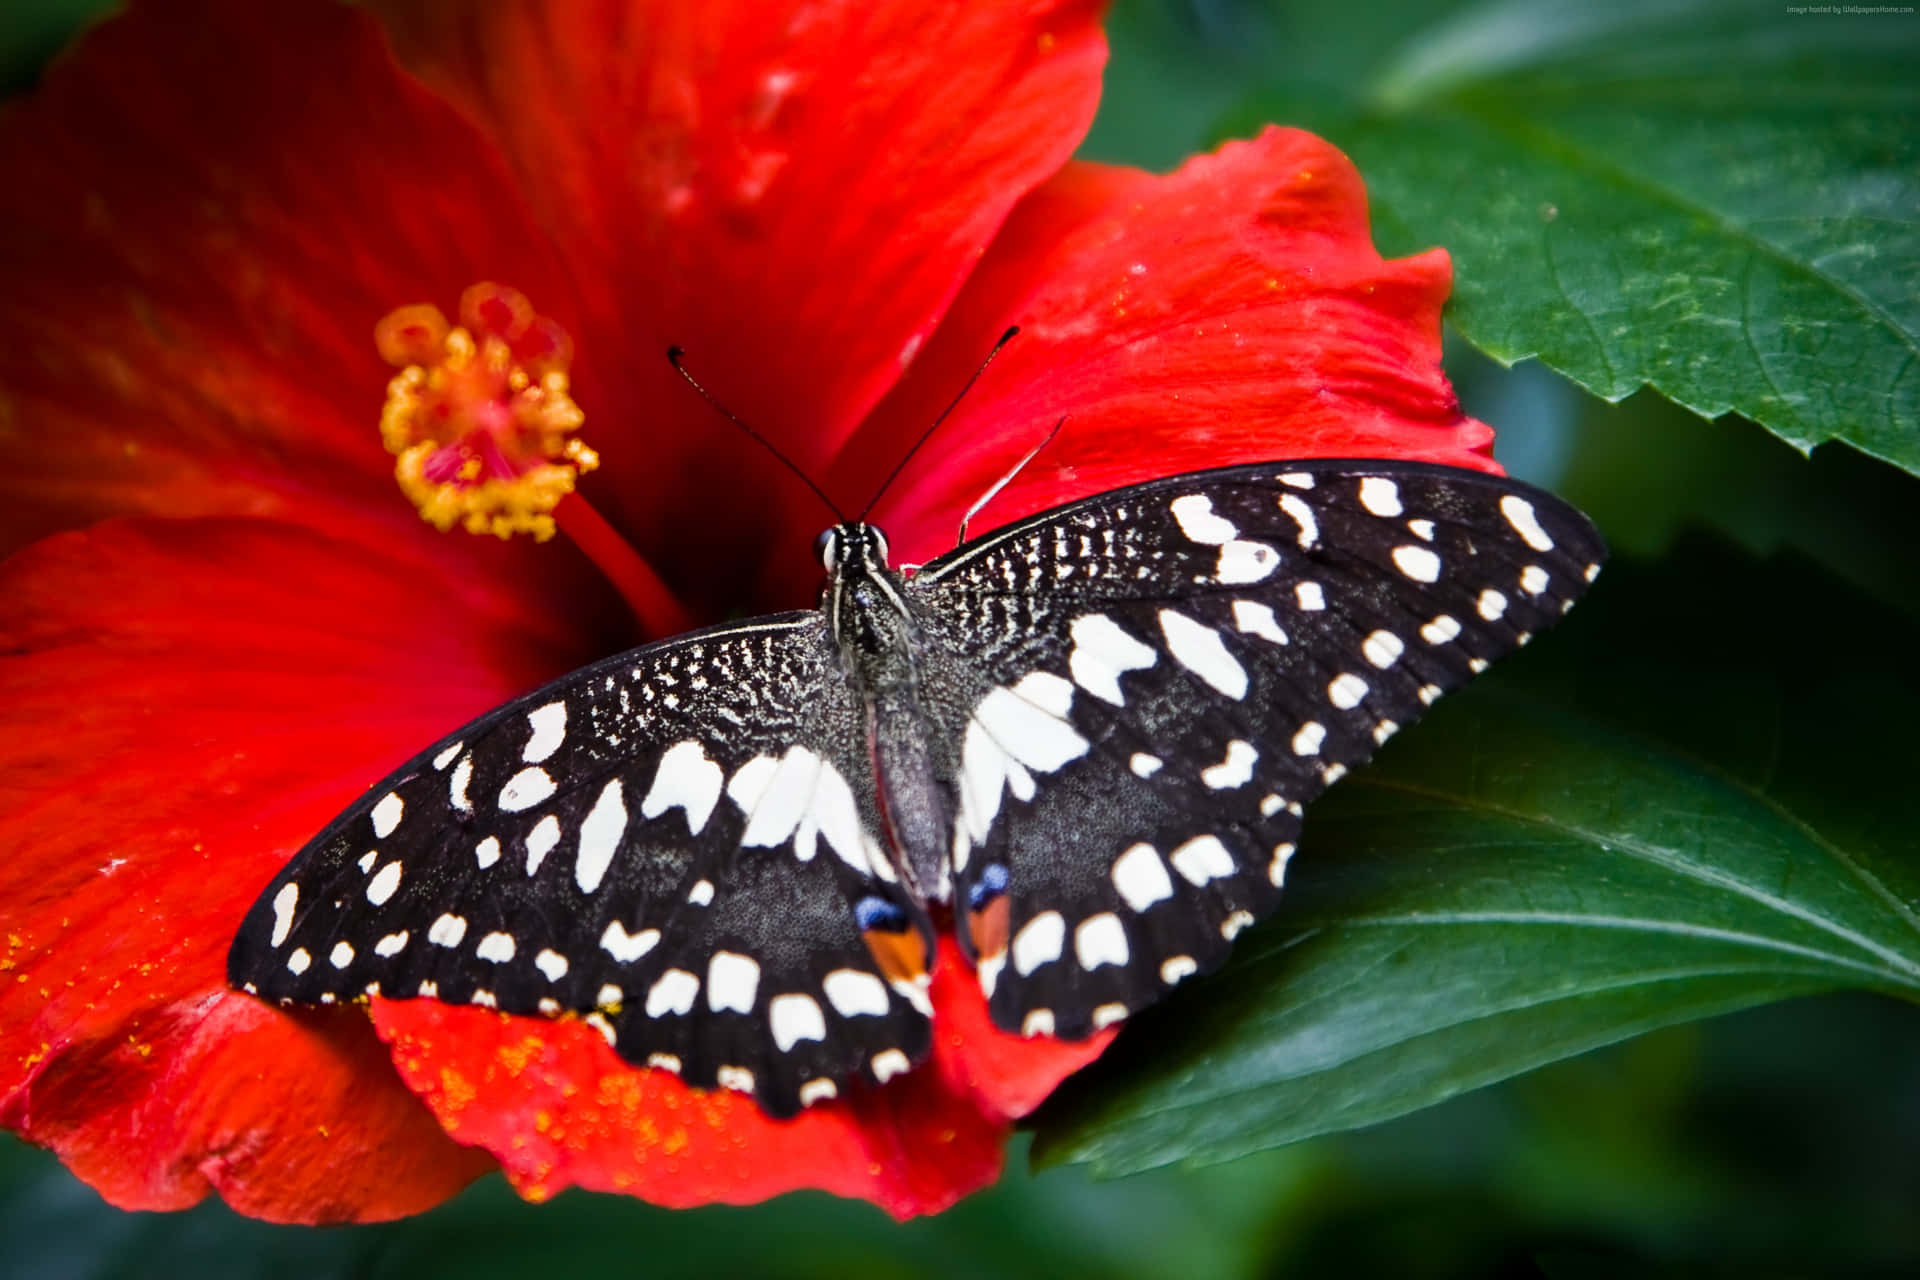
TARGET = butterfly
x,y
1084,739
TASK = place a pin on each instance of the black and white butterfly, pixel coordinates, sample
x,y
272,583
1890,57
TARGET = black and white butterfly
x,y
1088,735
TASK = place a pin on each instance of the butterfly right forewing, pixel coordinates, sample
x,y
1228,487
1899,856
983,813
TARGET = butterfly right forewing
x,y
1173,670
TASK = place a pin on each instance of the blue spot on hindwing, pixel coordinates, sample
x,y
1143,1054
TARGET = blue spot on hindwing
x,y
873,912
991,884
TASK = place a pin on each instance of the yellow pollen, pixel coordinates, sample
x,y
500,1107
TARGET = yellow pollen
x,y
479,417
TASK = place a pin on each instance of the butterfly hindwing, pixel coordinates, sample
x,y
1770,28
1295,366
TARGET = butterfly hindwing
x,y
677,844
1173,670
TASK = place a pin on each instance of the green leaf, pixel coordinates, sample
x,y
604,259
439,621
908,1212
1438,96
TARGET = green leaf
x,y
1717,198
1696,796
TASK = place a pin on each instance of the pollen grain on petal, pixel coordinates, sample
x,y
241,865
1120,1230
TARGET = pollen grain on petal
x,y
479,417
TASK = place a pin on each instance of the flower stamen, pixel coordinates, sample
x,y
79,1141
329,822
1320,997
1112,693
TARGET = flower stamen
x,y
479,418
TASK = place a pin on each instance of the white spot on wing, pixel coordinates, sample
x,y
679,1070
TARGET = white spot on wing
x,y
1491,604
784,794
342,954
672,992
1242,561
495,947
1039,1022
298,960
549,724
551,963
487,852
1102,653
701,894
1310,597
391,945
386,814
988,971
819,1090
1417,563
1520,514
1533,579
446,757
457,786
1105,1015
854,994
540,841
686,780
749,782
1201,859
627,947
1141,877
1197,520
1177,968
1297,507
1256,619
600,835
732,981
1012,731
1039,942
1100,939
1380,495
1236,770
889,1063
1442,629
1199,649
793,1018
1144,765
1383,649
1277,869
1346,691
284,903
1307,741
447,931
382,886
526,789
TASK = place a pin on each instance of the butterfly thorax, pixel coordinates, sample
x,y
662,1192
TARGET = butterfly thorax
x,y
873,626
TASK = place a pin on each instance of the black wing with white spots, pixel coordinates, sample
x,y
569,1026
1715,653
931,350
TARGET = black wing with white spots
x,y
678,844
1092,732
1174,669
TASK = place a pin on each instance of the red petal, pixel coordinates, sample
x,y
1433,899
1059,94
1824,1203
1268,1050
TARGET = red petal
x,y
182,704
1231,311
293,1119
559,1109
209,205
791,192
1005,1075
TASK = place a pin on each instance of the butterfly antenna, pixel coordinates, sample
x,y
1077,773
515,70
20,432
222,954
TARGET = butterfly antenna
x,y
1006,480
926,435
674,355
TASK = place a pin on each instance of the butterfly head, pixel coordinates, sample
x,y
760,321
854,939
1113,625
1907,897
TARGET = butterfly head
x,y
852,547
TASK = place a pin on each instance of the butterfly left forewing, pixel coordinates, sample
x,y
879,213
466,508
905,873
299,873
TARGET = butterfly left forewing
x,y
1169,672
677,845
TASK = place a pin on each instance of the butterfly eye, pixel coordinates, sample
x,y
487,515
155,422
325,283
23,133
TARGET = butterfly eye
x,y
826,548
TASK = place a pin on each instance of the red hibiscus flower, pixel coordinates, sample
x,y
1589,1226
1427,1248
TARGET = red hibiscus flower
x,y
220,619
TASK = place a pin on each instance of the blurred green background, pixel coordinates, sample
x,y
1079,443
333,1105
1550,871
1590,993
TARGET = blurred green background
x,y
1775,1142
